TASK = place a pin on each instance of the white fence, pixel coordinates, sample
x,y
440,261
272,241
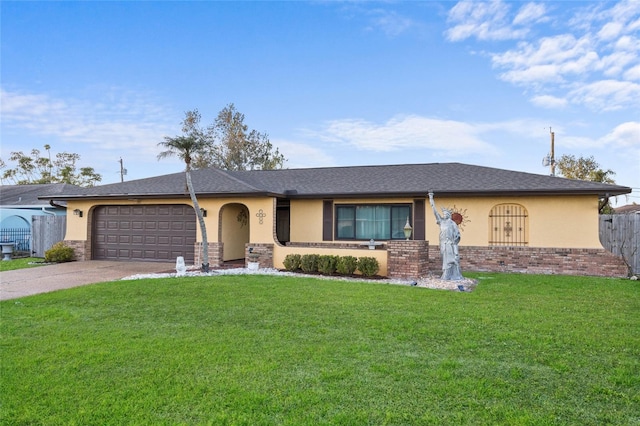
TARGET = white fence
x,y
620,234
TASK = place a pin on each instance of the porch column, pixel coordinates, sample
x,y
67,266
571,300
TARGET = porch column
x,y
215,254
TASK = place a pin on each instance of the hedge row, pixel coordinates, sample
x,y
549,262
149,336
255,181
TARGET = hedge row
x,y
330,264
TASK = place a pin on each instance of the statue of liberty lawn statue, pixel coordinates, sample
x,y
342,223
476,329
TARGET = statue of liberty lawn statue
x,y
449,239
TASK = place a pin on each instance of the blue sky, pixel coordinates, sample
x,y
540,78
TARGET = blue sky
x,y
331,83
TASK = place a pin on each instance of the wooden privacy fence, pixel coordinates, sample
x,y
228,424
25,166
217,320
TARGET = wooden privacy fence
x,y
620,234
45,232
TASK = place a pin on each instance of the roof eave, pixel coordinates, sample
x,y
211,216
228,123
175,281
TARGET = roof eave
x,y
134,196
450,194
601,192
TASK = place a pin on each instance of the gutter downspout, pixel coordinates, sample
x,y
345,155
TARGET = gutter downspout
x,y
53,205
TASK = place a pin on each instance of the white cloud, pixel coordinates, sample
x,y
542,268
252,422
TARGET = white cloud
x,y
390,22
625,135
485,21
632,73
302,155
405,133
548,60
610,31
607,95
626,43
122,121
529,13
614,64
580,142
548,101
534,74
598,48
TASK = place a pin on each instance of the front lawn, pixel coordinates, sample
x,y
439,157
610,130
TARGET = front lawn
x,y
21,263
264,350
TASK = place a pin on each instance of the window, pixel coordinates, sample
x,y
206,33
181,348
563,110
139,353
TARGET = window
x,y
371,221
508,225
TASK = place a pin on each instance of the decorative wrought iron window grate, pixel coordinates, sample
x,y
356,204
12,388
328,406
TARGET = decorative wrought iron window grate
x,y
508,225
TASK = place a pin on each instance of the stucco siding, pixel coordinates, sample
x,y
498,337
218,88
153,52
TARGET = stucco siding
x,y
306,220
558,222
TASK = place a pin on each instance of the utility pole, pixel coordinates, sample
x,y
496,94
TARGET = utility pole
x,y
123,171
552,163
550,159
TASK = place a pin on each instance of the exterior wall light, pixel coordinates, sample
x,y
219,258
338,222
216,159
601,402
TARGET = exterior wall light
x,y
77,212
407,230
204,212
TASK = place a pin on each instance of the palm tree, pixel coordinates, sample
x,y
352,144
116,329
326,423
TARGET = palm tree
x,y
185,147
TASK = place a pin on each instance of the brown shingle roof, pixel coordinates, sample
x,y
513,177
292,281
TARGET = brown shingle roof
x,y
362,181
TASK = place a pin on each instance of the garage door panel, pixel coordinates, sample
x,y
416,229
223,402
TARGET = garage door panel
x,y
112,253
150,232
164,254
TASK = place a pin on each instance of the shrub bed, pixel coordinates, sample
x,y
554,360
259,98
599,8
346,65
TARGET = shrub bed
x,y
331,264
58,253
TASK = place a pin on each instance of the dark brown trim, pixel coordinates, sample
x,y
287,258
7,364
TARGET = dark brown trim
x,y
327,220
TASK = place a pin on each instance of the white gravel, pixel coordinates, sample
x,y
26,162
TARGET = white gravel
x,y
432,282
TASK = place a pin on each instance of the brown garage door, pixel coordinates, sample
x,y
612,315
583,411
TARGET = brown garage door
x,y
147,233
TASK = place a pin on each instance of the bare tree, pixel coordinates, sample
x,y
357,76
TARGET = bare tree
x,y
230,145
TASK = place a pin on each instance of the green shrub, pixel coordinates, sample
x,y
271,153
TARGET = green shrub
x,y
309,263
58,253
327,264
368,266
347,265
292,262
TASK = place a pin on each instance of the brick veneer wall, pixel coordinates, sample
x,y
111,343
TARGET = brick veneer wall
x,y
81,249
264,252
215,254
407,259
535,260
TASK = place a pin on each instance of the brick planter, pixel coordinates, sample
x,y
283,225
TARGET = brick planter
x,y
264,254
407,259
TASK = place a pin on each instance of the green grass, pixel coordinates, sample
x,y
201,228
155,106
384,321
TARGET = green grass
x,y
264,350
25,262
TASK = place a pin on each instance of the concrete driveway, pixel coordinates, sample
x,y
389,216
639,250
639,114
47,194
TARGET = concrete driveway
x,y
43,279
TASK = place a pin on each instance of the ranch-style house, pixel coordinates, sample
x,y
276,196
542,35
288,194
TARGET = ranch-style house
x,y
509,220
